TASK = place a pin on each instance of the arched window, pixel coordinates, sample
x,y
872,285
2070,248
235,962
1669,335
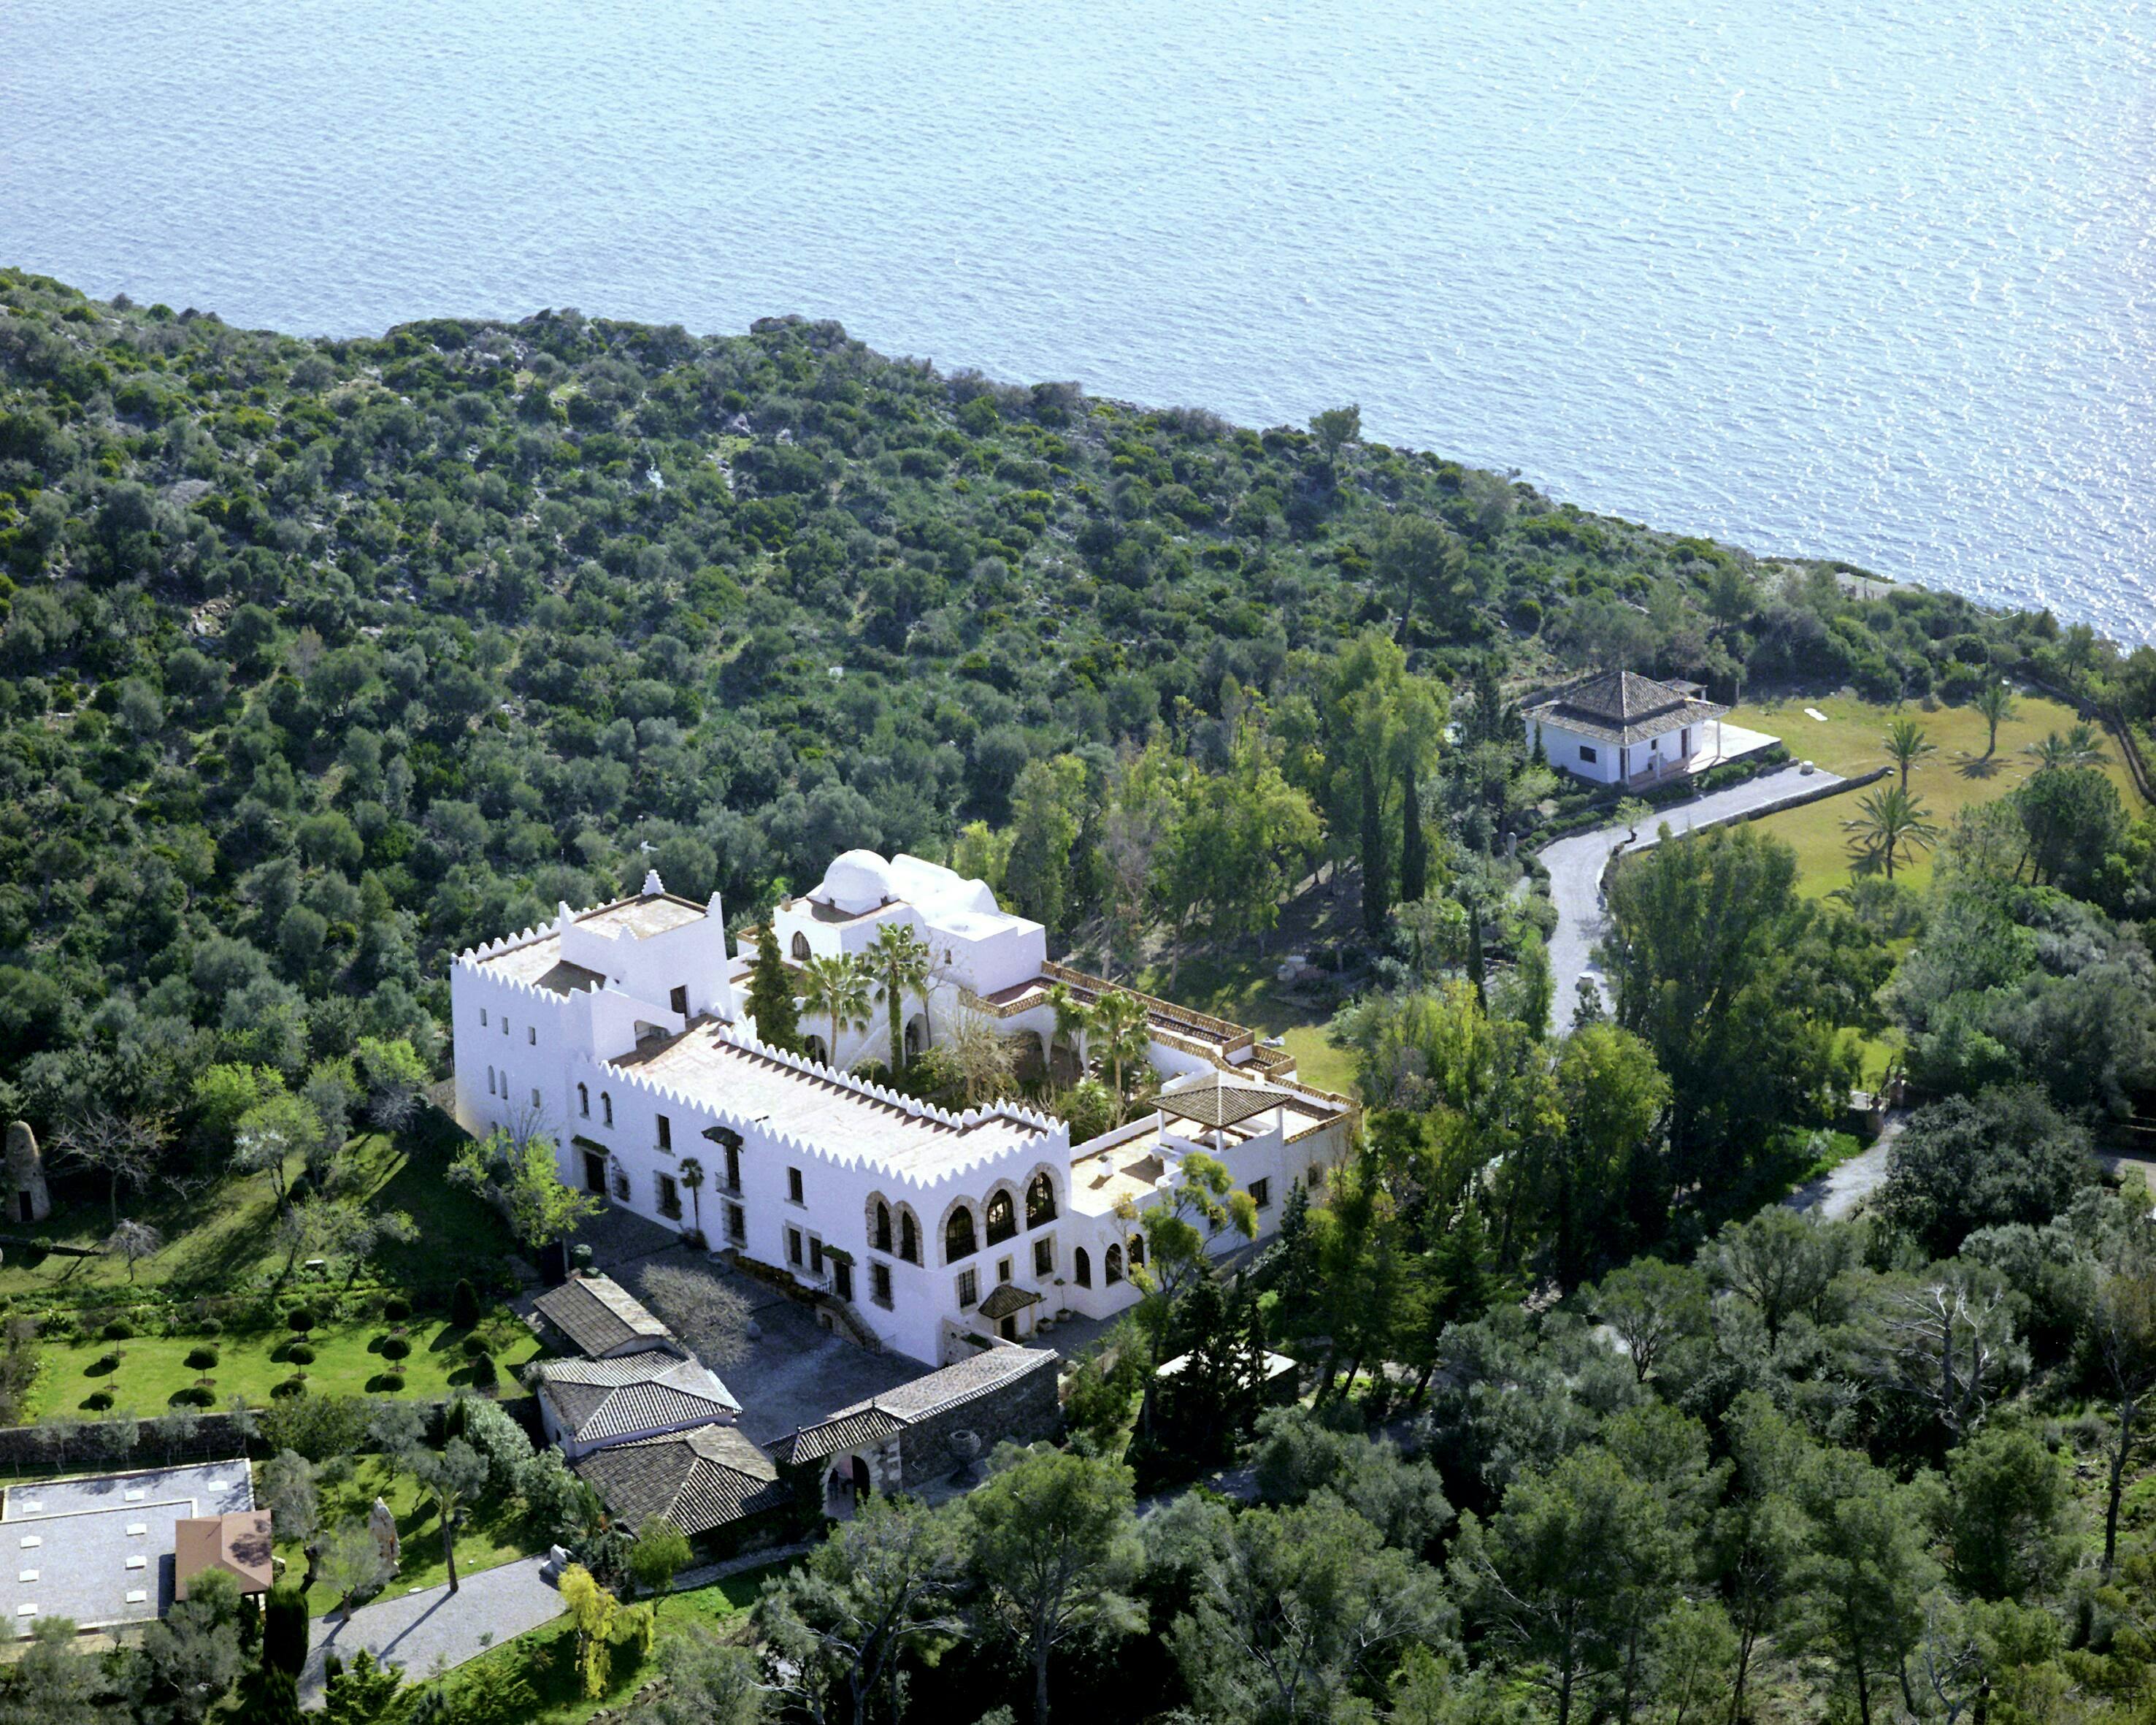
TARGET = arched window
x,y
800,945
490,1081
882,1226
958,1235
584,1101
1081,1268
1138,1250
814,1047
606,1105
1003,1219
909,1237
1039,1201
1112,1266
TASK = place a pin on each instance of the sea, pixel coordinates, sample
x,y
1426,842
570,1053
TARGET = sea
x,y
1862,279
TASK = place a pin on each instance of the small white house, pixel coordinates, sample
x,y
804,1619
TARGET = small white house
x,y
1621,729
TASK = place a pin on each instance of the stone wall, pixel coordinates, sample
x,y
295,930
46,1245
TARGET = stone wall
x,y
1024,1410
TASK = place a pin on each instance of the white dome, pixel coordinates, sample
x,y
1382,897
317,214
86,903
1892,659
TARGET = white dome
x,y
855,881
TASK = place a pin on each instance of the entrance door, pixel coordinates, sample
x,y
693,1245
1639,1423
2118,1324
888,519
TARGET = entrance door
x,y
842,1279
595,1172
1008,1329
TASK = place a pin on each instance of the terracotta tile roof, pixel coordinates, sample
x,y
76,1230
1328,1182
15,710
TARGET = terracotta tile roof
x,y
599,1399
599,1315
698,1480
236,1544
937,1392
1623,707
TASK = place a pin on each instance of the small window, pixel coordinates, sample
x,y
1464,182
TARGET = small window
x,y
793,1184
1003,1271
1138,1250
606,1105
815,1256
1039,1201
737,1224
882,1238
1043,1258
665,1134
621,1186
531,1036
801,946
733,1167
909,1237
679,1000
669,1198
505,1026
535,1098
879,1285
1081,1268
583,1102
1261,1193
793,1246
490,1081
969,1289
1588,755
1112,1266
482,1018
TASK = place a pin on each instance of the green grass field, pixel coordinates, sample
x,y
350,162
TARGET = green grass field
x,y
347,1362
485,1539
1959,776
546,1656
220,1239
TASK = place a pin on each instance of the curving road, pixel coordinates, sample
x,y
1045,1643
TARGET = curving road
x,y
1576,865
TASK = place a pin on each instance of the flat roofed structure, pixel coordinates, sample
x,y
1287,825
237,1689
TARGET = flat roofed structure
x,y
99,1550
602,1319
237,1543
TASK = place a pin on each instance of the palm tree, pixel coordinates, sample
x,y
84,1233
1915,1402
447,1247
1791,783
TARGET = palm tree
x,y
1119,1020
1892,823
692,1177
835,985
2081,747
1905,745
1996,702
903,960
1074,1021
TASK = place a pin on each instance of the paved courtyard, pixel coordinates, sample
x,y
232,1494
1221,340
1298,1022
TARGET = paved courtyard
x,y
435,1629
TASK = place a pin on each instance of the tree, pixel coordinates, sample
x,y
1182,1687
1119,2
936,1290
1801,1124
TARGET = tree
x,y
1335,429
1420,560
1554,1576
1291,1611
771,999
985,1060
2074,821
540,1206
701,1309
53,1683
285,1629
361,1693
452,1477
396,1079
2121,1321
692,1181
2081,747
1046,803
135,1241
191,1656
287,1490
836,1630
1052,1539
661,1553
708,1682
1943,1340
1865,1569
1889,824
1179,1236
398,1431
1905,744
2009,1523
355,1566
835,986
1122,1033
1651,1306
1758,1536
902,960
122,1148
2003,1155
1782,1260
267,1697
593,1609
1996,702
1614,1100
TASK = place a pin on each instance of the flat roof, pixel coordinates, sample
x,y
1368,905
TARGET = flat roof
x,y
829,1112
646,914
99,1549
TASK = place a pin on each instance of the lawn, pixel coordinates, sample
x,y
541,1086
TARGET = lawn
x,y
547,1656
347,1362
1959,776
488,1537
220,1238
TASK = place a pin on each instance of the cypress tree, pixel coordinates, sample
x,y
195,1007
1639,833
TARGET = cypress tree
x,y
771,999
1414,841
284,1631
463,1306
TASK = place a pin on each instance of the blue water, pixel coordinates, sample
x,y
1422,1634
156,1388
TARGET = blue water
x,y
1865,278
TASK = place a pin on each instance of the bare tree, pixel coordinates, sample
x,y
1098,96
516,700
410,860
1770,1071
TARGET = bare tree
x,y
700,1309
135,1241
1947,1341
122,1147
984,1057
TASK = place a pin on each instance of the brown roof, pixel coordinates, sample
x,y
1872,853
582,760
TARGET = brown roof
x,y
697,1480
1623,707
1215,1102
237,1543
599,1315
937,1392
1008,1300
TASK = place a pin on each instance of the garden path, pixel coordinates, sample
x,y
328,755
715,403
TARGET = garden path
x,y
434,1628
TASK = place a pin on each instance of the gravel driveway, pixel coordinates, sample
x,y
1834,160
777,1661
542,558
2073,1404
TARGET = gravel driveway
x,y
434,1627
1576,864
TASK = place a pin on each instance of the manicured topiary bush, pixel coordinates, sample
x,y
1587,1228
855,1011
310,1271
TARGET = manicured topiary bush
x,y
119,1330
463,1306
392,1381
474,1346
484,1375
208,1326
395,1347
98,1400
104,1364
395,1308
295,1385
300,1318
300,1353
201,1359
200,1395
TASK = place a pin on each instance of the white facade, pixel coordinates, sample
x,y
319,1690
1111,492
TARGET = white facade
x,y
1600,761
617,1033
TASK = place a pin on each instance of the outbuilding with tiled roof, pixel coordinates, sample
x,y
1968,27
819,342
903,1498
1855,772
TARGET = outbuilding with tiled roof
x,y
602,1319
705,1481
1620,728
587,1404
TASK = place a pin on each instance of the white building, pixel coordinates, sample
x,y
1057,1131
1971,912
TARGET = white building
x,y
1619,729
618,1033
